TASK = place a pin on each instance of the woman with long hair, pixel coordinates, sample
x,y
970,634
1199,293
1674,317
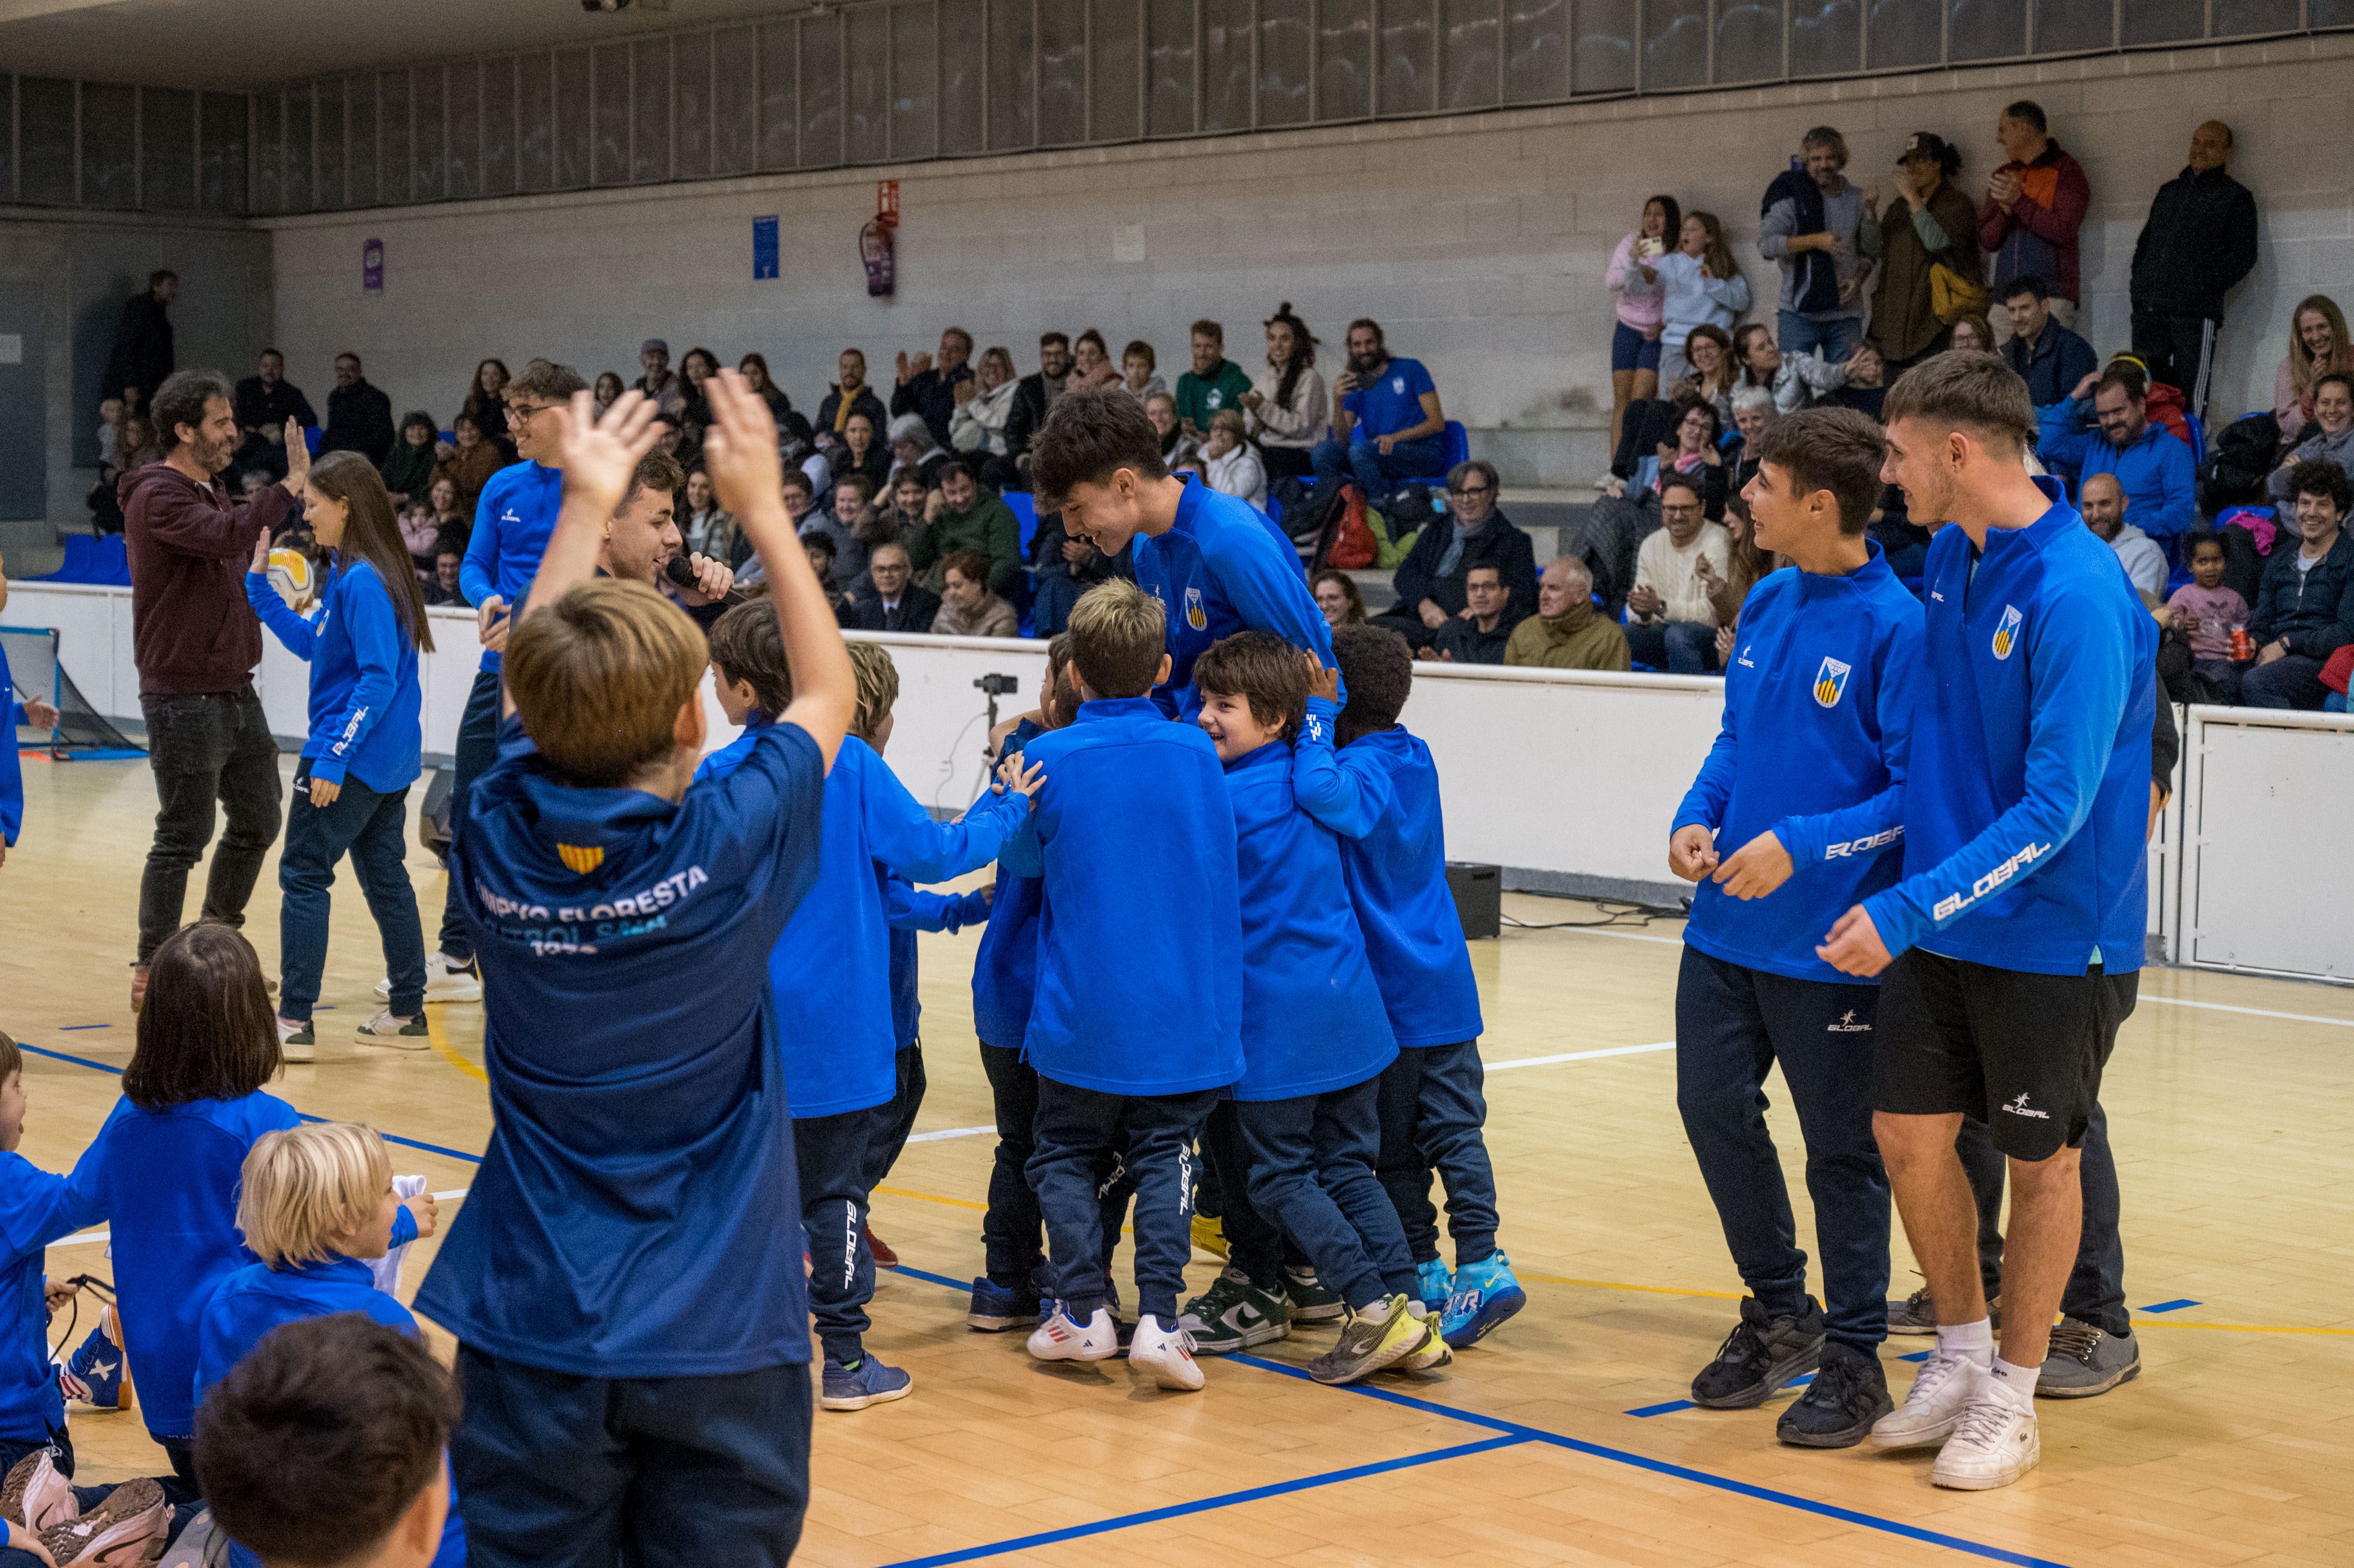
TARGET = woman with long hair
x,y
1091,363
1286,402
1701,286
1710,372
695,408
754,370
607,391
351,787
2317,347
408,467
979,423
1634,277
486,405
1337,596
860,452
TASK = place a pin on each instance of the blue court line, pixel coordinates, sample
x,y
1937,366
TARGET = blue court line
x,y
2171,1306
1646,1411
930,1278
70,1028
1915,1356
1205,1505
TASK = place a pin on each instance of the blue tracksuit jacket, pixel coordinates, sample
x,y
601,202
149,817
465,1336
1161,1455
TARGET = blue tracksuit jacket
x,y
511,523
1223,569
366,702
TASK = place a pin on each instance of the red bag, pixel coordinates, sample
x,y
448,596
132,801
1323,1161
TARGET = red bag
x,y
2337,669
1356,548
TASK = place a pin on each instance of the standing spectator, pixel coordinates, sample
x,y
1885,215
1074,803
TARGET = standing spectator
x,y
1432,582
1032,398
2035,203
486,404
967,606
983,404
1230,465
1481,633
849,395
407,470
2103,501
1337,596
1672,624
470,463
1389,426
1631,276
359,417
2328,439
2305,611
1929,225
1287,405
1215,382
2110,431
1566,632
196,642
970,518
2317,347
2046,352
1138,364
894,601
1810,225
2199,242
657,380
265,401
934,387
1700,285
142,356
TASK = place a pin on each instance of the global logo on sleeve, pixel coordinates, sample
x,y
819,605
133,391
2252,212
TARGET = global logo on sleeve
x,y
1830,683
1195,616
2006,631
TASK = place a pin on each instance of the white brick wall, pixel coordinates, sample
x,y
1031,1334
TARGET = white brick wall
x,y
1479,240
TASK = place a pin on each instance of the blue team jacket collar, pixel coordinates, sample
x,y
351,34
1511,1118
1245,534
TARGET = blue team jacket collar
x,y
562,813
1187,505
1118,708
336,1268
2057,518
1815,585
1274,754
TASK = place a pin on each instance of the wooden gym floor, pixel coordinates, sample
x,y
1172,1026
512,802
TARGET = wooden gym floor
x,y
1562,1439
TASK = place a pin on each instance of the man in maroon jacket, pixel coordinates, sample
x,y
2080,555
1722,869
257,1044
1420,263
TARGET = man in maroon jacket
x,y
195,642
2035,205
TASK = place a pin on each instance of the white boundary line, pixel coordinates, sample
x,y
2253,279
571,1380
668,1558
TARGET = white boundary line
x,y
2252,1012
1579,1055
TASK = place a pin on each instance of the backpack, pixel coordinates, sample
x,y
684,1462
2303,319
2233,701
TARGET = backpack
x,y
1354,548
2238,460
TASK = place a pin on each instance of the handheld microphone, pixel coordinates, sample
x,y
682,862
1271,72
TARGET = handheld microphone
x,y
679,572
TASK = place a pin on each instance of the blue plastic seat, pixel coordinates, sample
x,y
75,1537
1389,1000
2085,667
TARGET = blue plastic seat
x,y
98,558
1025,513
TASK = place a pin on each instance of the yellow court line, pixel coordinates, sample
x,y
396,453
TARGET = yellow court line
x,y
2141,1322
933,1198
449,1053
1620,1285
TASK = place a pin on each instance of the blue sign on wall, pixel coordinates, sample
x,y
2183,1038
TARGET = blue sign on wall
x,y
764,248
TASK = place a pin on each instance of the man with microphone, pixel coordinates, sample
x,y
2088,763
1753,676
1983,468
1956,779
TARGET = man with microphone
x,y
642,543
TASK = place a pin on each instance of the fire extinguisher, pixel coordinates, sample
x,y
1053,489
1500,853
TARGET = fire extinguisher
x,y
875,248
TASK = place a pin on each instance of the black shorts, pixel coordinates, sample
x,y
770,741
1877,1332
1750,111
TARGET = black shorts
x,y
2020,1051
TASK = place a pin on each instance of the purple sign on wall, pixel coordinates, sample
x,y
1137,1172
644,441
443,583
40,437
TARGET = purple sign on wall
x,y
371,266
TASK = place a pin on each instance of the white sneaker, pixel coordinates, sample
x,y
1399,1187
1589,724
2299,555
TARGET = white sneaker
x,y
1941,1391
297,1042
1058,1338
1166,1353
445,981
1995,1442
400,1033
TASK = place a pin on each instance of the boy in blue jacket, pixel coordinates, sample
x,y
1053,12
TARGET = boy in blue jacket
x,y
1217,566
1315,1036
30,711
1135,1027
36,1208
1379,790
2017,929
830,972
1791,820
626,913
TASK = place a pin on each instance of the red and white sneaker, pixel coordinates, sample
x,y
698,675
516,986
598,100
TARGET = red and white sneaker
x,y
1059,1338
1167,1352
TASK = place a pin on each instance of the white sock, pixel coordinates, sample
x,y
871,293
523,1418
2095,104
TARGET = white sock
x,y
1973,1340
1379,1312
2019,1381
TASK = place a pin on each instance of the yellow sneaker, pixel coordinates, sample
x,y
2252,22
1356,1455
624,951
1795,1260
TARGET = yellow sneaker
x,y
1209,1235
1433,1354
1369,1343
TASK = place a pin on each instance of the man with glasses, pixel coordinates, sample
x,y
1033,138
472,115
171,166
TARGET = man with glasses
x,y
1670,624
1433,582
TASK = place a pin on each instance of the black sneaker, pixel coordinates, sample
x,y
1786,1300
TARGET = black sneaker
x,y
1849,1393
1916,1313
1759,1356
2085,1361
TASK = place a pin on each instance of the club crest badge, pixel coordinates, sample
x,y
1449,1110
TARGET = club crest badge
x,y
581,858
2006,631
1195,616
1830,683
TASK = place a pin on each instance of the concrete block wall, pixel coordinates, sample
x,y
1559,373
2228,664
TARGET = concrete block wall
x,y
1478,240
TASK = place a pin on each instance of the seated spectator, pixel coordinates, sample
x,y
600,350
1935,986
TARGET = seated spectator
x,y
2205,613
2330,438
932,388
1972,335
1287,405
800,503
1177,449
1033,396
893,600
983,404
913,506
1389,427
468,465
1671,623
1633,277
1797,380
1230,465
853,527
2048,357
849,395
486,400
2305,611
1749,567
1137,362
1692,451
2103,501
860,453
1091,363
1753,413
708,527
2110,431
967,606
657,380
1711,373
1863,384
1477,636
442,588
1931,224
1432,582
359,417
972,518
607,391
265,401
754,368
1700,285
912,449
421,531
443,496
818,548
1566,633
2035,205
1338,597
2317,347
1213,383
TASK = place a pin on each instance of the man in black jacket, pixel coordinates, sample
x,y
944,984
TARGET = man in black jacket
x,y
1032,399
2049,357
2305,611
1430,582
894,601
930,387
2199,241
849,396
265,401
141,355
359,417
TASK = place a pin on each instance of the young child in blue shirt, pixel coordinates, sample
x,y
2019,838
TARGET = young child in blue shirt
x,y
625,914
15,709
1794,816
830,970
316,1204
1211,560
1379,791
1135,1030
1315,1041
350,790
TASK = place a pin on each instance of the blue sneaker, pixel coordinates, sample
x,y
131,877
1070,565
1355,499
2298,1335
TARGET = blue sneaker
x,y
1433,1284
996,1308
868,1383
1485,1295
94,1375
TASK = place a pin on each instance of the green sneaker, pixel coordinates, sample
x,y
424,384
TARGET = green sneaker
x,y
386,1028
1311,1301
297,1042
1367,1344
1234,1315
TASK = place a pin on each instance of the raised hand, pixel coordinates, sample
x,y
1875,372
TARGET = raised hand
x,y
1322,682
739,449
601,454
298,459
